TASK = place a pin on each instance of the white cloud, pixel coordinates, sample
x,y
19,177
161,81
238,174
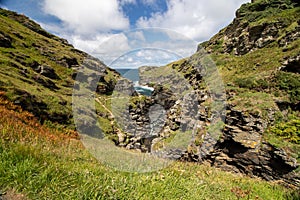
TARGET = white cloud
x,y
164,39
195,19
88,45
130,59
111,48
89,16
144,57
136,35
89,25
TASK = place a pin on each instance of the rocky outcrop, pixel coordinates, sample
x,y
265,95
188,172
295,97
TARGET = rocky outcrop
x,y
47,71
290,36
292,64
46,82
5,40
246,33
69,62
242,149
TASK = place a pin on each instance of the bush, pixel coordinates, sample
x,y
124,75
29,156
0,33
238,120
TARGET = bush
x,y
289,131
252,83
289,83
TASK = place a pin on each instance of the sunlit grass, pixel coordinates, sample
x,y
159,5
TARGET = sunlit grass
x,y
43,163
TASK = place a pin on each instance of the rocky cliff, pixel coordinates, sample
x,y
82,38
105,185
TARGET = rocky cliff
x,y
257,59
257,54
257,25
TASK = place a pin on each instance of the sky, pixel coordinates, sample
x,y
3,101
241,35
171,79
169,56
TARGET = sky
x,y
131,33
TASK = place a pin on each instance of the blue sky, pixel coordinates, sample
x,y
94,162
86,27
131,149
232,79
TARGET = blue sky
x,y
109,29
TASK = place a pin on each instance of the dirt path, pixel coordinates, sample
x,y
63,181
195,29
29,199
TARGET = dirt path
x,y
110,113
112,117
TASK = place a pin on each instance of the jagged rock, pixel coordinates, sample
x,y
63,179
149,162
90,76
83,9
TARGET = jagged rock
x,y
69,62
292,65
125,87
45,82
242,149
241,38
5,40
47,71
246,139
163,97
289,37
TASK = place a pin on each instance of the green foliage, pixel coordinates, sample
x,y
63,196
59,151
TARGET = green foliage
x,y
266,11
49,99
257,103
289,131
252,83
289,83
42,163
285,133
106,126
218,46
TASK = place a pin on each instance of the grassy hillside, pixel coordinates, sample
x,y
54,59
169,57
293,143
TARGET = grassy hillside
x,y
41,157
257,56
37,69
264,77
37,162
258,60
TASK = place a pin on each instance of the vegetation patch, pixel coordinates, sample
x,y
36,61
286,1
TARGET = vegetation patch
x,y
43,163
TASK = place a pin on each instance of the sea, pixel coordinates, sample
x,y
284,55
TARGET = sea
x,y
133,75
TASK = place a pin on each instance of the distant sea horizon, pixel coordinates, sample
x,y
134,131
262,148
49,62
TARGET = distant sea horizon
x,y
133,75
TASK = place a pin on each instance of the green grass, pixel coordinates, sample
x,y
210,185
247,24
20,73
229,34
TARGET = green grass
x,y
285,133
46,162
253,102
43,163
16,73
39,174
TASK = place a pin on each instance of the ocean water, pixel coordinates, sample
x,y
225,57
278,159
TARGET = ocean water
x,y
133,75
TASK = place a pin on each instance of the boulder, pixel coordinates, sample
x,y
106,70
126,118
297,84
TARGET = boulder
x,y
292,65
47,71
5,40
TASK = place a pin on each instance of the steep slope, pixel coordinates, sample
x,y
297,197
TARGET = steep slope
x,y
257,59
37,69
38,162
42,162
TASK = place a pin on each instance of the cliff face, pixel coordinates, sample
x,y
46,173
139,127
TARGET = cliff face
x,y
257,57
257,25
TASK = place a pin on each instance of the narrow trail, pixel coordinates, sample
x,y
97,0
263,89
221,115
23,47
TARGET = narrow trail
x,y
100,102
112,117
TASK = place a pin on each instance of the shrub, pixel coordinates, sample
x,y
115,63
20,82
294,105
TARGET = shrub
x,y
289,131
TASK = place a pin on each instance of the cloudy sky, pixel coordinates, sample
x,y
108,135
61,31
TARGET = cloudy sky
x,y
126,33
